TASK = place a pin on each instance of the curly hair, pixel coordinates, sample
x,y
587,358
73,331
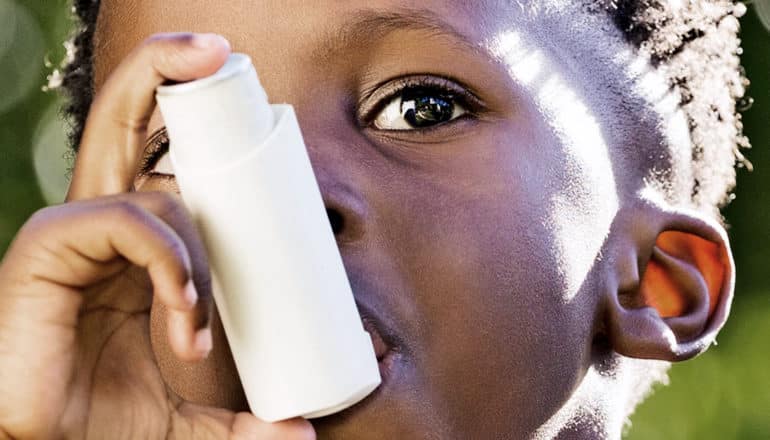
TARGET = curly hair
x,y
695,43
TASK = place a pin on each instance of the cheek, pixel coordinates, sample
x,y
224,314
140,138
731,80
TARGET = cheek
x,y
499,331
498,273
213,381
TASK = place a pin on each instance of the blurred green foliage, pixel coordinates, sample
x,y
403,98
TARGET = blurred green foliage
x,y
21,24
725,394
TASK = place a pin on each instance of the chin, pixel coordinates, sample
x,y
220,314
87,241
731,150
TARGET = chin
x,y
392,411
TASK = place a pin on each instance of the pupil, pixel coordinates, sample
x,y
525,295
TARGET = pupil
x,y
422,108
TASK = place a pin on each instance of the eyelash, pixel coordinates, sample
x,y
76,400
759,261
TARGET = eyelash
x,y
158,143
156,147
437,84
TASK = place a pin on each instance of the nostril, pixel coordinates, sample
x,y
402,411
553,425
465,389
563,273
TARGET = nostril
x,y
347,214
336,219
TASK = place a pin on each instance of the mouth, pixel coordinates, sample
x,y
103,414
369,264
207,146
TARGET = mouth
x,y
384,342
388,350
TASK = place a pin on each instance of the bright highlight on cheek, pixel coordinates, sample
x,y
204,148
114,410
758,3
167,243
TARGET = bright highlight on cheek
x,y
524,62
585,199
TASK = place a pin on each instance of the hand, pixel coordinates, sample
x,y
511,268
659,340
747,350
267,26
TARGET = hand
x,y
77,283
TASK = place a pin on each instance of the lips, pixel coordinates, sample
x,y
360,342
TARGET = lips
x,y
384,341
381,348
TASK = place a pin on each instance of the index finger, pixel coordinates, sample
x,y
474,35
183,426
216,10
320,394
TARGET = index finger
x,y
116,127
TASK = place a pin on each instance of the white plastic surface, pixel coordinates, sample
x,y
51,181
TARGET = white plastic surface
x,y
279,282
217,119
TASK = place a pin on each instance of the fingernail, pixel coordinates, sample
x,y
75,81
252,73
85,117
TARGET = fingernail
x,y
190,294
208,41
203,341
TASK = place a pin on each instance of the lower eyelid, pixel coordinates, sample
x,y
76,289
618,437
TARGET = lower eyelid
x,y
162,176
156,146
450,131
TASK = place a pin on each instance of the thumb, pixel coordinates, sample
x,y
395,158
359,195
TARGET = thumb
x,y
116,128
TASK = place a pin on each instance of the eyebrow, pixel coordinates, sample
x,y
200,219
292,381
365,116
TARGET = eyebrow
x,y
370,25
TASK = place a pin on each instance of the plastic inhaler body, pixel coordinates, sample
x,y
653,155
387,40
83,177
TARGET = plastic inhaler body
x,y
279,283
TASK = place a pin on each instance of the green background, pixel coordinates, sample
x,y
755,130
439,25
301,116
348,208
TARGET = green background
x,y
725,394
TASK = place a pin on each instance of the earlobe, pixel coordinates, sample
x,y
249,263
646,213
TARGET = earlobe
x,y
673,286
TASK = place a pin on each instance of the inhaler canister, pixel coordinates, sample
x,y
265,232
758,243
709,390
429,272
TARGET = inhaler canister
x,y
279,282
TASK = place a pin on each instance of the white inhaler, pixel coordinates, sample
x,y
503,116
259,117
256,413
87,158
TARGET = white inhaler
x,y
279,282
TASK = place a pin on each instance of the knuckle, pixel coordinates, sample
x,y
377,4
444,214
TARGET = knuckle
x,y
165,199
170,255
167,50
177,251
173,259
127,211
41,221
130,123
31,232
39,217
104,108
169,57
161,38
152,40
167,204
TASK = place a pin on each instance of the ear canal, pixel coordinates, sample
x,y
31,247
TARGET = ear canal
x,y
681,301
682,281
705,257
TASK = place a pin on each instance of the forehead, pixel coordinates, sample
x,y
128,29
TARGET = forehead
x,y
565,55
322,31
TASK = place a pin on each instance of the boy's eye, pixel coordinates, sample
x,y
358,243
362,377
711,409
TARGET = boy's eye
x,y
416,108
414,105
163,165
156,161
418,105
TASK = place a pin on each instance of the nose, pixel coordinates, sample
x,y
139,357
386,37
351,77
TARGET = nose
x,y
336,219
341,181
345,206
337,160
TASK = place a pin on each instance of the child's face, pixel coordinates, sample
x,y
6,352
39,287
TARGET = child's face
x,y
476,242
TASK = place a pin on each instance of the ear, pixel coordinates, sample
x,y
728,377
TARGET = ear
x,y
672,283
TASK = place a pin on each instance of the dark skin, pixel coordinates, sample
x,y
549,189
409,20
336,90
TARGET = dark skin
x,y
516,251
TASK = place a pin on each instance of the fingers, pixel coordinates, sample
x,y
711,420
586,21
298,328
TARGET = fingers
x,y
247,427
187,345
152,230
116,127
171,209
208,422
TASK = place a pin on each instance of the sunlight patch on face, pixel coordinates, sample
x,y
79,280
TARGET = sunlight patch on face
x,y
583,211
525,65
607,110
650,83
584,199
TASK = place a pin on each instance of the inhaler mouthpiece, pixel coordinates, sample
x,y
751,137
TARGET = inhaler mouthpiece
x,y
278,280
